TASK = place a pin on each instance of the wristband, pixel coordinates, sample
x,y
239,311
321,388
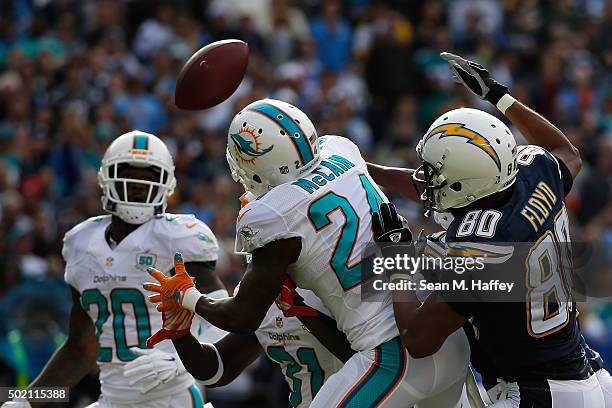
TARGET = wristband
x,y
215,378
190,299
218,294
505,102
192,296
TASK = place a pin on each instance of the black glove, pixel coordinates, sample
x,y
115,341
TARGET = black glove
x,y
475,77
394,238
389,226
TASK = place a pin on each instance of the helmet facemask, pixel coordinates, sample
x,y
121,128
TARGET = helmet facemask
x,y
134,200
427,186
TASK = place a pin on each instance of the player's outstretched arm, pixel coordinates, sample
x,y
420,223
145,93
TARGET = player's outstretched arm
x,y
259,287
76,357
396,179
325,329
242,313
424,327
217,364
536,129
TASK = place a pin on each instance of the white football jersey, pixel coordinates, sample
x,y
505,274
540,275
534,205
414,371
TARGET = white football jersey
x,y
304,361
330,210
110,283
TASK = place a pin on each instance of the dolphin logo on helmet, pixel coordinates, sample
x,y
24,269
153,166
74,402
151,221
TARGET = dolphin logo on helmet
x,y
245,147
271,142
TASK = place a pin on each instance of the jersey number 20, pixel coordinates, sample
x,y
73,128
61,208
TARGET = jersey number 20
x,y
119,297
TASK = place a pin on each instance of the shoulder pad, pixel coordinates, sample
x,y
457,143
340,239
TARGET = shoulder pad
x,y
193,238
258,224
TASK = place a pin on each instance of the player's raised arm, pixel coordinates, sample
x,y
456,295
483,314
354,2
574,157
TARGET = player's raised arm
x,y
76,357
539,131
396,179
536,129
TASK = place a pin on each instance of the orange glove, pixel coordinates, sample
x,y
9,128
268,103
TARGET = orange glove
x,y
173,293
291,303
176,324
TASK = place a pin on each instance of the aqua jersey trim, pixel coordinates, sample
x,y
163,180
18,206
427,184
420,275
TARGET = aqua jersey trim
x,y
381,379
196,397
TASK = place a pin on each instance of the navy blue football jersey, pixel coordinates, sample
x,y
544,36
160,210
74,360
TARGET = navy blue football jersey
x,y
593,357
537,337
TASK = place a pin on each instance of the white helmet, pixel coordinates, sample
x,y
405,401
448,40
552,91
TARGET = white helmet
x,y
270,142
467,154
137,149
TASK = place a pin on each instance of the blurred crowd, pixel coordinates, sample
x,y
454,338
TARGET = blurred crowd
x,y
75,74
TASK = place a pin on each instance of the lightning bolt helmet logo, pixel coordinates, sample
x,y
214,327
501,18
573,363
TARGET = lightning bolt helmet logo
x,y
474,138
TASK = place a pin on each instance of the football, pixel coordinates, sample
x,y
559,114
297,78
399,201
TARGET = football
x,y
211,75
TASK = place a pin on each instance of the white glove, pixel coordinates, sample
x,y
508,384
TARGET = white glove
x,y
16,404
505,391
152,367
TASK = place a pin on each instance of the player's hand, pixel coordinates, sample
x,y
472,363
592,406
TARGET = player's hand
x,y
151,368
504,391
176,323
475,77
393,236
389,226
291,303
174,292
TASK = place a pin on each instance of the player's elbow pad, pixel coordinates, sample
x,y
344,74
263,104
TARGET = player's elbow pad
x,y
212,381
